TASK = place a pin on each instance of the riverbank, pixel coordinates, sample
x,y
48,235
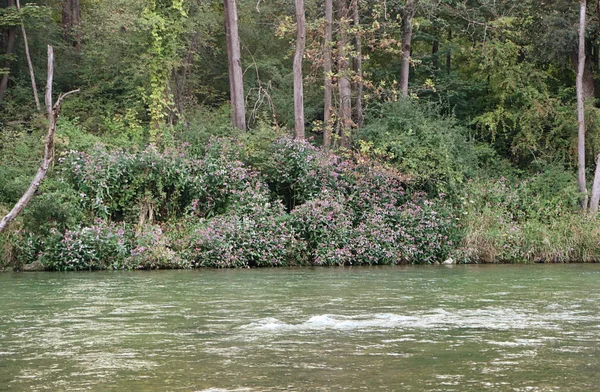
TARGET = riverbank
x,y
151,209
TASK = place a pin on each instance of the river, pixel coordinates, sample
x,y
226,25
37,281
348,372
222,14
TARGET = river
x,y
432,328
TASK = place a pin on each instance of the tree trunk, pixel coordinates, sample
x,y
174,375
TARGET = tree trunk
x,y
580,108
357,63
435,48
29,64
10,49
595,189
71,19
589,84
449,53
236,78
298,88
344,88
327,110
407,15
52,113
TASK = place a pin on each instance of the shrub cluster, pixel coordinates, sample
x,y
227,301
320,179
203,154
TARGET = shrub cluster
x,y
300,205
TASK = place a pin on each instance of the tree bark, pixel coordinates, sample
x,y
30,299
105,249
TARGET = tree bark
x,y
328,99
71,19
449,53
10,49
344,88
357,63
236,77
407,15
589,84
29,63
580,108
435,48
298,88
595,189
53,113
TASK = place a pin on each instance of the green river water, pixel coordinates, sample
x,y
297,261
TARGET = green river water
x,y
457,328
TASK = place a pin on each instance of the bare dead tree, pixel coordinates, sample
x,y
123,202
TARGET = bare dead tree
x,y
52,112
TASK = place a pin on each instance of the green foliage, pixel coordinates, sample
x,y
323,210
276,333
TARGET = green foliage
x,y
100,246
296,171
533,219
430,148
259,236
151,249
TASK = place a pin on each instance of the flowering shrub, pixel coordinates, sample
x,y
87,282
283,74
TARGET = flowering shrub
x,y
297,171
152,250
153,185
326,226
215,212
375,241
368,184
115,183
95,247
256,234
411,233
426,232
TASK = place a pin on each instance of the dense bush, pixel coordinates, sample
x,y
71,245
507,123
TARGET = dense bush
x,y
296,171
152,249
256,233
325,224
298,205
100,246
431,148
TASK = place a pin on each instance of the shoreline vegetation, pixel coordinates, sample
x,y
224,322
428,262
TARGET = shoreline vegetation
x,y
262,199
234,134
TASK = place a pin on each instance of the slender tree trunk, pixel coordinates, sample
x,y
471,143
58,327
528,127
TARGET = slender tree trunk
x,y
52,113
29,64
449,53
181,79
327,70
10,49
407,29
357,63
435,48
580,108
229,63
298,88
595,189
589,84
236,77
344,87
71,19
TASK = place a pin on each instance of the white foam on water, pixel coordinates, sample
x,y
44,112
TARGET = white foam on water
x,y
225,390
492,318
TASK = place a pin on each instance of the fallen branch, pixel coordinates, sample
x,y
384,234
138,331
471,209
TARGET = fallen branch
x,y
52,113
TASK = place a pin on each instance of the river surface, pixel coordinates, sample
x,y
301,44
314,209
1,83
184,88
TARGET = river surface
x,y
457,328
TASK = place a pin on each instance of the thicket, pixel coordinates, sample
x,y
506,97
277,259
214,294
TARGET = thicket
x,y
172,209
477,163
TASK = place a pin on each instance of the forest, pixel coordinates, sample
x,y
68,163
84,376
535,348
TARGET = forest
x,y
254,133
